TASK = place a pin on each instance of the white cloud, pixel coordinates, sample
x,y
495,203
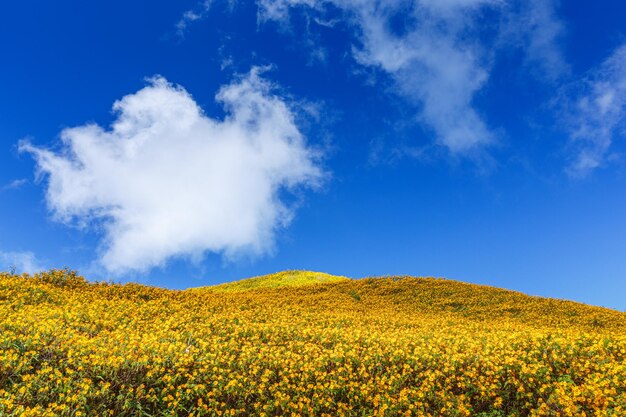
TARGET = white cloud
x,y
20,262
15,184
595,111
534,27
439,52
167,180
278,10
192,15
432,66
431,62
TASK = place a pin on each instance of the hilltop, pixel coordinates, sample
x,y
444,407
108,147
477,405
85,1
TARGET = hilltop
x,y
280,279
301,343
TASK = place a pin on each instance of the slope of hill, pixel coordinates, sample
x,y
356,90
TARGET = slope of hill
x,y
377,346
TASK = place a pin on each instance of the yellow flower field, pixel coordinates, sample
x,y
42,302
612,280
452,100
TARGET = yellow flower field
x,y
303,344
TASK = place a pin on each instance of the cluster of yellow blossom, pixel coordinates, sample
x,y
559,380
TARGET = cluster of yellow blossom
x,y
370,347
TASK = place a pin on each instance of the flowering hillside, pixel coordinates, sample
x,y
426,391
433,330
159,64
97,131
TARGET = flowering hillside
x,y
396,346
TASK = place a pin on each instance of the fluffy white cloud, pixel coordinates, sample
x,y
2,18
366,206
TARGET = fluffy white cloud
x,y
595,112
166,180
20,262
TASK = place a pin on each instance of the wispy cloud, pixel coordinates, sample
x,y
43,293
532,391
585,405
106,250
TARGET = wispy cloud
x,y
533,27
192,15
15,184
594,112
20,262
167,180
279,10
433,66
439,53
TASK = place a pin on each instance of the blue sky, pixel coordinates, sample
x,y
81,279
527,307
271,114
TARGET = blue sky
x,y
188,143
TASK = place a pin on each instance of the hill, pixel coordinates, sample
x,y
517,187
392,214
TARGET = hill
x,y
307,344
